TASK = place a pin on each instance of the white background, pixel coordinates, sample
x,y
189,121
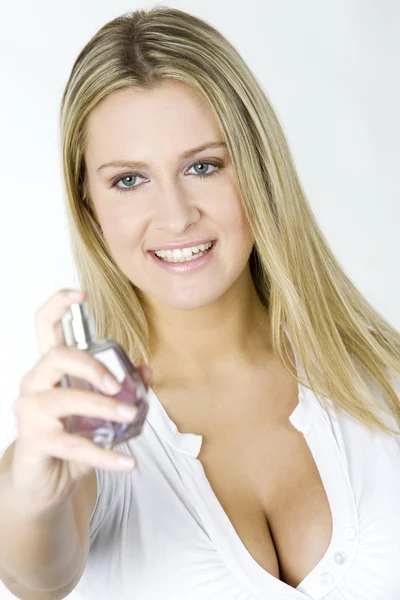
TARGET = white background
x,y
330,70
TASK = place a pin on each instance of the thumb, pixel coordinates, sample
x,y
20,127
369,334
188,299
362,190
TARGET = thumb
x,y
146,373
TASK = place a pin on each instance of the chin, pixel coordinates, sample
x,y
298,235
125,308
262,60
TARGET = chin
x,y
193,298
189,303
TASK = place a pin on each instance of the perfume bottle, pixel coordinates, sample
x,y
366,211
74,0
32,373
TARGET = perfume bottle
x,y
79,331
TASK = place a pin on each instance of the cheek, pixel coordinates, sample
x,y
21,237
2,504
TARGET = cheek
x,y
231,217
226,207
123,235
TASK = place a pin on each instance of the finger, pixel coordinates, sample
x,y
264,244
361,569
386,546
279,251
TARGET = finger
x,y
59,361
43,411
48,317
146,373
72,447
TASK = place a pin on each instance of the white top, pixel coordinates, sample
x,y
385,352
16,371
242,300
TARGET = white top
x,y
160,533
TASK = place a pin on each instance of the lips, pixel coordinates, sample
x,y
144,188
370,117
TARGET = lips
x,y
185,267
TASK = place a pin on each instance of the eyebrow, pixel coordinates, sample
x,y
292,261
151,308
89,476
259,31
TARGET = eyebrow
x,y
142,165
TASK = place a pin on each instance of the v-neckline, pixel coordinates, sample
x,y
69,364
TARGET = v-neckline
x,y
311,420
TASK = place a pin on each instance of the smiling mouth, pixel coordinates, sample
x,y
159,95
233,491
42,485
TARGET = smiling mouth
x,y
180,258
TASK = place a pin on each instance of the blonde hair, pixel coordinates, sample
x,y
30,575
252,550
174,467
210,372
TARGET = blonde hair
x,y
337,335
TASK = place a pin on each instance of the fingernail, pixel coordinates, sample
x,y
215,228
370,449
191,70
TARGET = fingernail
x,y
128,412
127,462
111,384
75,294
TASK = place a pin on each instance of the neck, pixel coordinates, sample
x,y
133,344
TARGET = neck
x,y
211,341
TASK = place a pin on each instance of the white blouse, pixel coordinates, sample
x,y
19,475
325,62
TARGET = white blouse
x,y
160,533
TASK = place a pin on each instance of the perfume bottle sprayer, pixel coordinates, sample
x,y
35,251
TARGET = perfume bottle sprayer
x,y
79,331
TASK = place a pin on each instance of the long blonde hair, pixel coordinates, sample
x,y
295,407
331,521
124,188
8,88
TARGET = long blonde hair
x,y
343,344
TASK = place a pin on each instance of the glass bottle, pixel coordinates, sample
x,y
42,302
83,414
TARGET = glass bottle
x,y
79,331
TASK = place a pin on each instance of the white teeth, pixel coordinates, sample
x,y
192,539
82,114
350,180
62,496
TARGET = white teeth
x,y
183,254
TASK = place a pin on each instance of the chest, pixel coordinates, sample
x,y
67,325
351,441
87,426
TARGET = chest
x,y
263,474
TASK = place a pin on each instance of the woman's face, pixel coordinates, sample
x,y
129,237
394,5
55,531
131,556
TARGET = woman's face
x,y
165,201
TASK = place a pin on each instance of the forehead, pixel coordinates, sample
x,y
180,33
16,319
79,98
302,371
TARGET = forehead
x,y
169,116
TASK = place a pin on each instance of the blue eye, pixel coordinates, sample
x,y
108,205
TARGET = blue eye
x,y
122,179
204,164
134,176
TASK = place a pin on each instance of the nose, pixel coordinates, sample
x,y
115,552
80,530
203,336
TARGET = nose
x,y
175,211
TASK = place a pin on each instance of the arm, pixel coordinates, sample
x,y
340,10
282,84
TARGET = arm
x,y
44,557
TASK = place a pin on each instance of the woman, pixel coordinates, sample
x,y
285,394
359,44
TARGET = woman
x,y
268,465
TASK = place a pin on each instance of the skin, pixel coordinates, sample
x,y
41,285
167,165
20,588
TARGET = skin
x,y
210,320
210,334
